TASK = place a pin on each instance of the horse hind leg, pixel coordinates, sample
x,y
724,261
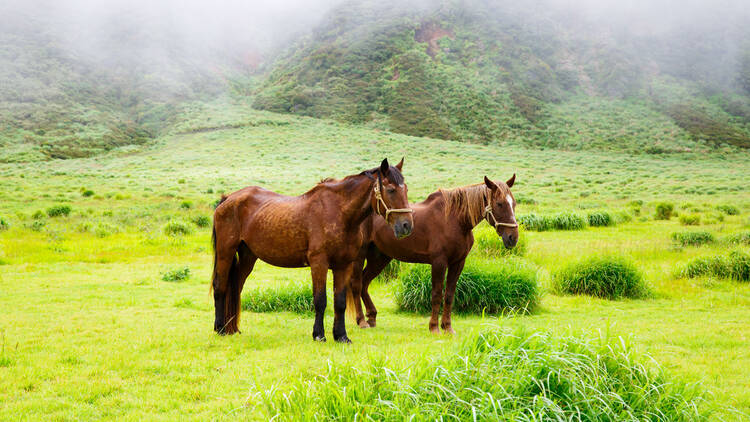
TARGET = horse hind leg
x,y
233,305
225,271
376,263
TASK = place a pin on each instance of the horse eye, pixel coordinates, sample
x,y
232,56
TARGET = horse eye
x,y
391,190
500,204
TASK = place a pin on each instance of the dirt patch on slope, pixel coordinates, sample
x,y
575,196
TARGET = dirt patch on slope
x,y
431,33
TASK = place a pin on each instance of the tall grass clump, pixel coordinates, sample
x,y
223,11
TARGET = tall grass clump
x,y
177,228
600,219
202,221
390,272
59,211
560,221
664,211
728,209
742,238
609,277
296,297
693,238
495,376
487,243
690,219
4,224
491,287
735,266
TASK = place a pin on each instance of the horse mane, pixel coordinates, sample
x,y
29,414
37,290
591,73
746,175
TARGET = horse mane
x,y
466,201
394,175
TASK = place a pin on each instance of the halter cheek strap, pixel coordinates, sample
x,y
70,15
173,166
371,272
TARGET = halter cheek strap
x,y
379,197
488,214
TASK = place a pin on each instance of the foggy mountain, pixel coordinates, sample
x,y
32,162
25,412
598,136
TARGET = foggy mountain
x,y
79,78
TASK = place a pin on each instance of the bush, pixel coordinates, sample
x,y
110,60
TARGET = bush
x,y
37,225
600,219
742,238
605,276
560,221
178,274
735,266
487,243
186,205
728,209
664,211
690,219
177,228
59,211
693,238
38,215
291,298
496,375
202,221
87,193
4,225
484,286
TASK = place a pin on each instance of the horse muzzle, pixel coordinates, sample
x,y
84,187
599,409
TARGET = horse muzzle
x,y
403,229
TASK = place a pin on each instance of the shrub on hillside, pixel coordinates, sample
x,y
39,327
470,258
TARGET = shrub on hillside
x,y
489,244
86,193
735,266
690,219
664,211
59,211
608,277
484,286
600,219
728,209
296,297
4,224
498,375
693,238
186,205
178,274
177,228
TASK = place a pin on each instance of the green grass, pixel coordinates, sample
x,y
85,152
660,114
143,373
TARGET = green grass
x,y
179,274
735,266
559,221
492,287
487,243
92,332
292,297
600,219
609,277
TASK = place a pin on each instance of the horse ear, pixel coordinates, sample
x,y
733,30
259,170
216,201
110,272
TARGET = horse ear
x,y
400,164
384,167
490,184
511,181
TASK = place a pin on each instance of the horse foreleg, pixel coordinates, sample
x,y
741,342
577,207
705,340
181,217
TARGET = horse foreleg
x,y
376,262
454,271
341,278
319,270
438,277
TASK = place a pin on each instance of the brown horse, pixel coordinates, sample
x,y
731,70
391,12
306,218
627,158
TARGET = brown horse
x,y
319,229
442,238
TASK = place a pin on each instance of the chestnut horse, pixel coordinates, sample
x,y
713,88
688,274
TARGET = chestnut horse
x,y
319,229
442,238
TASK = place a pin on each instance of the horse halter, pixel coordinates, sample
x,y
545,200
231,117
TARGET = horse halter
x,y
488,214
379,196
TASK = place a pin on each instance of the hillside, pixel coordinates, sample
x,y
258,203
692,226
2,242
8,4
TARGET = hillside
x,y
492,72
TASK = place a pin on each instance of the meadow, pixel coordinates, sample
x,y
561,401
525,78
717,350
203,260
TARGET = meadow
x,y
105,266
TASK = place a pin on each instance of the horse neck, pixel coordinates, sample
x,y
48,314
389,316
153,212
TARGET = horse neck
x,y
471,216
354,198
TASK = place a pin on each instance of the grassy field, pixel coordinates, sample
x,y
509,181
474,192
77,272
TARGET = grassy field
x,y
89,329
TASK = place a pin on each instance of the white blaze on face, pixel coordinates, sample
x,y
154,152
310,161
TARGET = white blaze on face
x,y
510,204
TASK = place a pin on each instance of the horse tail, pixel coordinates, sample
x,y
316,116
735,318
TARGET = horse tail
x,y
350,304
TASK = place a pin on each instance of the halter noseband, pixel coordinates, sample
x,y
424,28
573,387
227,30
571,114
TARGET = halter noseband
x,y
379,196
488,214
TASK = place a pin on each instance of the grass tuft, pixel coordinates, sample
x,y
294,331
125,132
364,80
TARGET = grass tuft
x,y
390,272
610,277
178,274
177,228
742,238
690,219
488,244
202,221
295,297
560,221
664,211
693,238
495,375
728,209
59,211
483,287
4,224
735,266
600,219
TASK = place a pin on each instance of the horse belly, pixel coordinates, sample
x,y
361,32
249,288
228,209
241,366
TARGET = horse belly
x,y
278,242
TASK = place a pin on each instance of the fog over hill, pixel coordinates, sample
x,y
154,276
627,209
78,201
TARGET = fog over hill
x,y
78,78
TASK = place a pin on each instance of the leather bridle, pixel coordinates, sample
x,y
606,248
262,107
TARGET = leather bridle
x,y
488,214
377,189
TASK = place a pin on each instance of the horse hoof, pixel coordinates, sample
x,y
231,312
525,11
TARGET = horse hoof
x,y
434,330
321,339
364,324
344,339
371,323
449,331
